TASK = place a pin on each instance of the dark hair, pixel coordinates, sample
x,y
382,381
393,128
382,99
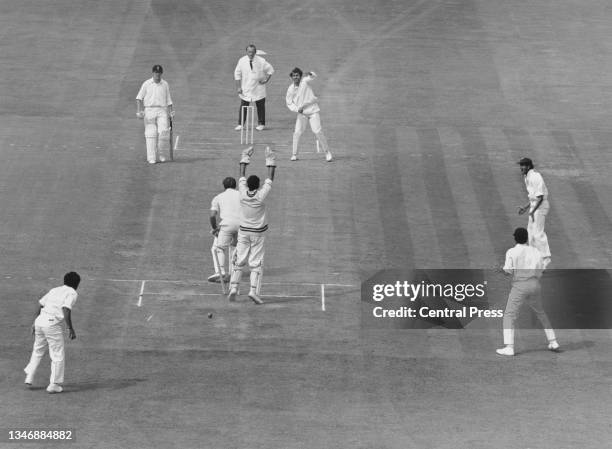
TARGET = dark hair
x,y
229,183
526,162
253,182
521,235
157,69
251,46
72,279
296,70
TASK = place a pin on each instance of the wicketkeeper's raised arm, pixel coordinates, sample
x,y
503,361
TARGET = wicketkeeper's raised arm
x,y
246,159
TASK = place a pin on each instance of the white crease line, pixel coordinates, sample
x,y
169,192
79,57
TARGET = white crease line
x,y
142,286
234,144
217,294
323,297
203,282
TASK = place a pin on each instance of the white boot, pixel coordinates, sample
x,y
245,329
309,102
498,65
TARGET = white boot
x,y
552,340
509,342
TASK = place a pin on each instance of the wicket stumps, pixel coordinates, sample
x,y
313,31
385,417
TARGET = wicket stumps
x,y
247,120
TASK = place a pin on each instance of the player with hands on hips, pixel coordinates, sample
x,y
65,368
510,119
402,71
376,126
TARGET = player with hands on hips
x,y
251,75
55,309
253,224
154,105
301,99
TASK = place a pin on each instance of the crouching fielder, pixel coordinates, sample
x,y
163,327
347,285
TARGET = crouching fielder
x,y
301,99
55,309
154,104
253,224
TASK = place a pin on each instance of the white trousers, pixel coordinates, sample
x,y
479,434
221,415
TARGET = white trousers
x,y
224,242
157,132
527,291
535,229
315,125
250,248
53,338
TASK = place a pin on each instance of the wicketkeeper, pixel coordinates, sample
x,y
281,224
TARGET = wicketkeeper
x,y
253,224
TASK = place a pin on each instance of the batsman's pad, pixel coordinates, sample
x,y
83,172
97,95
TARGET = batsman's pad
x,y
163,144
270,157
246,155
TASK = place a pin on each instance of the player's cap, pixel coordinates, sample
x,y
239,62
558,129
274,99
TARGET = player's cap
x,y
526,161
157,69
520,234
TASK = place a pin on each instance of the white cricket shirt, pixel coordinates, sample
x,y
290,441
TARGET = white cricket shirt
x,y
52,303
298,96
523,262
253,208
154,94
249,77
535,186
227,205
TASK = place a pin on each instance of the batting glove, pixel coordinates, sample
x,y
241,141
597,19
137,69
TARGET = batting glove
x,y
270,157
140,114
172,113
246,155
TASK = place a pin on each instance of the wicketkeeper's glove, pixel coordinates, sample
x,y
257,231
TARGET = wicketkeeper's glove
x,y
246,155
270,157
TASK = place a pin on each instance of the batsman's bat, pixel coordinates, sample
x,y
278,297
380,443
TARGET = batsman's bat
x,y
171,148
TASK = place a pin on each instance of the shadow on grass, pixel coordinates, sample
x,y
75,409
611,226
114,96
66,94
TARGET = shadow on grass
x,y
576,346
287,300
107,384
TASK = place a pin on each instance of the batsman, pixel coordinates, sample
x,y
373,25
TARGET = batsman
x,y
154,105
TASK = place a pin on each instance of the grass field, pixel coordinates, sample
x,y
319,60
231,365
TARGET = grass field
x,y
427,106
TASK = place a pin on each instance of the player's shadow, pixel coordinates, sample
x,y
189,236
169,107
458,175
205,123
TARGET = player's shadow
x,y
287,300
191,160
108,384
576,346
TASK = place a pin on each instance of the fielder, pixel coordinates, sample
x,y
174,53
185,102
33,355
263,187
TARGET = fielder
x,y
224,222
537,206
525,264
301,99
48,329
154,104
253,224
